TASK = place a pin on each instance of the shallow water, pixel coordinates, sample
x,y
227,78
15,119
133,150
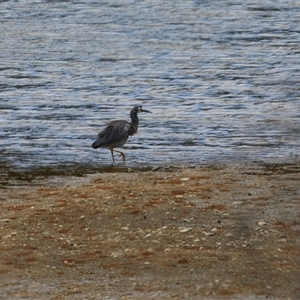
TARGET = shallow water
x,y
222,79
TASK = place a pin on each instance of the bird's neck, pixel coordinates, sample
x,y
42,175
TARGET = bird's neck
x,y
134,118
134,123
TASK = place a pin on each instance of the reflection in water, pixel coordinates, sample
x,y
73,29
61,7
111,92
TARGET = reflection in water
x,y
221,79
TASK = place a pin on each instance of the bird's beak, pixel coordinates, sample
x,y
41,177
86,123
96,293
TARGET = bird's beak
x,y
147,111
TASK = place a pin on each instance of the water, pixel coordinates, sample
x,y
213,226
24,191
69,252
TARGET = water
x,y
222,79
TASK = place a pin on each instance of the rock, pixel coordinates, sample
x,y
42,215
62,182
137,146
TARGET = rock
x,y
229,234
261,223
69,264
46,234
5,220
237,203
185,179
208,233
185,229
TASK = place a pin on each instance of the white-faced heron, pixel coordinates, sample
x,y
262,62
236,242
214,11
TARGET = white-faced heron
x,y
117,132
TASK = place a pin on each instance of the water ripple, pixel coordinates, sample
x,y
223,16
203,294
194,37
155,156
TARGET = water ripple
x,y
222,80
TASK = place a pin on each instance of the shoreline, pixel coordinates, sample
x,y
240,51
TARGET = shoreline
x,y
10,175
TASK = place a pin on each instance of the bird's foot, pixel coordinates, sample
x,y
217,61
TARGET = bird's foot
x,y
121,154
123,157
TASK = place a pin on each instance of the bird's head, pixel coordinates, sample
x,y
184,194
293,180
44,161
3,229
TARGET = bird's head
x,y
139,109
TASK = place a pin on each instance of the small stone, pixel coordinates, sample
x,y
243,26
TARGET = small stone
x,y
69,264
229,234
214,230
261,223
185,229
185,179
208,233
5,220
46,234
124,228
282,240
237,203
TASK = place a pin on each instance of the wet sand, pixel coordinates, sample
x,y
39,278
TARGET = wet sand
x,y
211,232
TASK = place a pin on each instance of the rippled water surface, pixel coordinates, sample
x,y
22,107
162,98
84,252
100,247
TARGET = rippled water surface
x,y
222,79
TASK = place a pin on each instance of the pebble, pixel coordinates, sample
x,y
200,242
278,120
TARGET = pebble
x,y
208,233
228,234
185,229
283,240
186,220
237,203
46,234
261,223
69,263
185,179
5,220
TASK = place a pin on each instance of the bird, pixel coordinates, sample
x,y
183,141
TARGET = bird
x,y
117,132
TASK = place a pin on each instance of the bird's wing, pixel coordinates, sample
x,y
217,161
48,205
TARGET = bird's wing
x,y
115,132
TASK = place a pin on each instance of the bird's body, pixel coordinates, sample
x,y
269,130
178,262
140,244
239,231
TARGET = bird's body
x,y
117,132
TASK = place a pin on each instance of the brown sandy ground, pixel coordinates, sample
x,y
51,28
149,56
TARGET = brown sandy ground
x,y
228,232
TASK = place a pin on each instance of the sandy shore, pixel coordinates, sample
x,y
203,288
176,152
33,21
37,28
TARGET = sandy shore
x,y
229,232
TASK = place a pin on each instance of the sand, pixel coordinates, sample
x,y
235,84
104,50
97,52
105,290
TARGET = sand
x,y
209,232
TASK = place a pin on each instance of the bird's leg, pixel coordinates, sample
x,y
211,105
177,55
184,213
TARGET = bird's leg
x,y
112,154
122,154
